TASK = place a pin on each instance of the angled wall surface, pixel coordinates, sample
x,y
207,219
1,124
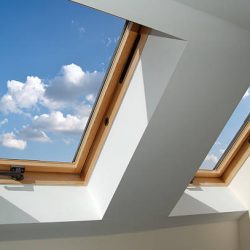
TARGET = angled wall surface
x,y
205,237
210,74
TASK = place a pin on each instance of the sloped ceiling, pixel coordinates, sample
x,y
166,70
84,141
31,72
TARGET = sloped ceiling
x,y
237,12
209,80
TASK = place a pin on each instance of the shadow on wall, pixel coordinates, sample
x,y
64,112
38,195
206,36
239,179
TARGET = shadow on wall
x,y
169,55
192,207
20,188
244,229
152,217
10,213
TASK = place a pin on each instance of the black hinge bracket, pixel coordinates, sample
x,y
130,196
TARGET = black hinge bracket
x,y
16,173
130,57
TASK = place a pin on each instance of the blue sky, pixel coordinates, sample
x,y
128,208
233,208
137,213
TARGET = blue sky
x,y
233,125
54,55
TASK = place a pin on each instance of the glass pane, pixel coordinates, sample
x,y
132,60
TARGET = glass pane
x,y
54,57
237,119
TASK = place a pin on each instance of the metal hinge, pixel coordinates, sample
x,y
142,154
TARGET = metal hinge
x,y
16,173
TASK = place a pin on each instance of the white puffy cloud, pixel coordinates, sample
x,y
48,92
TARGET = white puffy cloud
x,y
73,74
57,122
64,91
26,94
73,92
212,158
3,122
8,104
247,93
33,134
53,104
22,95
9,140
73,83
82,110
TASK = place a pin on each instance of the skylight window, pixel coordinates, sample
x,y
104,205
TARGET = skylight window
x,y
54,59
65,69
236,122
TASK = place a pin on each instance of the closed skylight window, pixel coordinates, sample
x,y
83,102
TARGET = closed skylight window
x,y
54,58
237,120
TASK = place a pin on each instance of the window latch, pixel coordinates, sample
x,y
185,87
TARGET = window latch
x,y
16,173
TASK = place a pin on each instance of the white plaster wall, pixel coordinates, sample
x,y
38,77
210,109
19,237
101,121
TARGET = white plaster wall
x,y
244,231
216,236
207,200
240,185
234,11
209,80
33,203
143,95
202,90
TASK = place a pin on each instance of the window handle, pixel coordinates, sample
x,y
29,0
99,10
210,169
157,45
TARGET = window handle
x,y
16,173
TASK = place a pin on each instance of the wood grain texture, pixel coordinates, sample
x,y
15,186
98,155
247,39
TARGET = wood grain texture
x,y
113,109
46,179
39,166
106,95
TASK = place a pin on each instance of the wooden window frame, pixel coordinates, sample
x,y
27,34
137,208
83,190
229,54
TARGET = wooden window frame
x,y
230,163
114,88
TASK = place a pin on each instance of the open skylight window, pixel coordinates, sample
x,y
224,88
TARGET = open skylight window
x,y
54,58
65,69
235,124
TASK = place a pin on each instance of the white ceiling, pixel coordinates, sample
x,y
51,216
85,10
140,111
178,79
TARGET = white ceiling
x,y
237,12
209,80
